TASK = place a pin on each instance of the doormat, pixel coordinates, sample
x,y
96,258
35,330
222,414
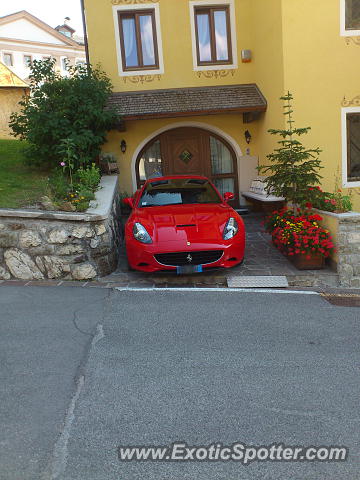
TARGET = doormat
x,y
257,282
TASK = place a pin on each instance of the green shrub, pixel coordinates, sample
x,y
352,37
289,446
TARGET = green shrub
x,y
89,177
64,108
59,185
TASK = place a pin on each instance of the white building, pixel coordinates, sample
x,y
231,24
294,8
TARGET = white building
x,y
24,38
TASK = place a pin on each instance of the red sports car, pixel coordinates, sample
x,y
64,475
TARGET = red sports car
x,y
182,223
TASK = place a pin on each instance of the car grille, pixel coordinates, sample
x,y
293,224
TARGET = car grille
x,y
178,259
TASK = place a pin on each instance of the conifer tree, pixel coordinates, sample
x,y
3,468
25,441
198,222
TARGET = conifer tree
x,y
293,168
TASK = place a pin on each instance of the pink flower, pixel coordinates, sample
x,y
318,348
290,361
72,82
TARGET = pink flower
x,y
62,164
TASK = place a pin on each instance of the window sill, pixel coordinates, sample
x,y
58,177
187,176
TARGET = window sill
x,y
348,184
350,33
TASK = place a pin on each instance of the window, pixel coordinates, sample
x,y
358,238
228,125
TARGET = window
x,y
64,63
352,14
353,147
213,35
27,60
8,59
222,166
138,40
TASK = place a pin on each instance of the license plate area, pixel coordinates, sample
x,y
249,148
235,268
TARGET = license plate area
x,y
186,269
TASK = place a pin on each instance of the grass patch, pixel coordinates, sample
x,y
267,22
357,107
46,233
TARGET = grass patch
x,y
20,184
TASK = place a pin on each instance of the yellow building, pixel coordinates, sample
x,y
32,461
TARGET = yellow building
x,y
198,84
12,89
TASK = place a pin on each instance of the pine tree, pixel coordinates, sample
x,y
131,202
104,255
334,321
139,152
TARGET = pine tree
x,y
294,168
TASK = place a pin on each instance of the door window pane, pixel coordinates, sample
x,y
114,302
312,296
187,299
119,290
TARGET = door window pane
x,y
225,185
221,35
150,165
353,123
203,28
130,46
221,158
147,40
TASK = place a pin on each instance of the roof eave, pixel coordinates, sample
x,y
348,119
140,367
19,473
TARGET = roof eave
x,y
192,113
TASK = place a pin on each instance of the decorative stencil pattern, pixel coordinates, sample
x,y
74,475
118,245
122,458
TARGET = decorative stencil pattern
x,y
354,102
141,79
354,40
215,73
132,2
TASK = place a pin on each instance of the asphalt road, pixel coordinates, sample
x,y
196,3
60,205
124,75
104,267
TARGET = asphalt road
x,y
152,368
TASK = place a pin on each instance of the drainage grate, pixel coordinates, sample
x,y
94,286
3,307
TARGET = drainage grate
x,y
255,281
343,300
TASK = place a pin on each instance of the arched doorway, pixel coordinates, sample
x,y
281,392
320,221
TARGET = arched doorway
x,y
190,151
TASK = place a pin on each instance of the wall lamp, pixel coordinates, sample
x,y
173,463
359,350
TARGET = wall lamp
x,y
248,136
123,146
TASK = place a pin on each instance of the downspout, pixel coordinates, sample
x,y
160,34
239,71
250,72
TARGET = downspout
x,y
85,34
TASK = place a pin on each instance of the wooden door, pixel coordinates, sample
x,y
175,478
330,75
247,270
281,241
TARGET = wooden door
x,y
186,152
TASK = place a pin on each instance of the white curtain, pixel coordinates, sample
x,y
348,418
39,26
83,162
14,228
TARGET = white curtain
x,y
131,57
150,165
204,37
221,35
225,185
221,158
147,39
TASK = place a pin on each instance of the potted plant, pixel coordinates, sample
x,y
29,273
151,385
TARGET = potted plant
x,y
108,163
300,238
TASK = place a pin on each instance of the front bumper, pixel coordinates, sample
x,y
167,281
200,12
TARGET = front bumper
x,y
141,257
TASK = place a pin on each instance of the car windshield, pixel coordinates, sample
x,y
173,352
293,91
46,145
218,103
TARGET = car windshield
x,y
181,191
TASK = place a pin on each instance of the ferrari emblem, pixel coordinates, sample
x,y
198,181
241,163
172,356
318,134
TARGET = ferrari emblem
x,y
189,258
188,244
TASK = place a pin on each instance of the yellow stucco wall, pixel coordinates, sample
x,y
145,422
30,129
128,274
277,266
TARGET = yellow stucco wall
x,y
320,69
331,223
9,103
176,42
296,46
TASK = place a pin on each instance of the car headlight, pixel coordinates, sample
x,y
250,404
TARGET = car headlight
x,y
141,234
231,229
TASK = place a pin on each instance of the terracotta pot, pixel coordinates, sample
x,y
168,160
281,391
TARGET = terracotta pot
x,y
315,262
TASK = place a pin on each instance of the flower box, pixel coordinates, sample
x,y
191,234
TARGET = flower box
x,y
306,262
300,238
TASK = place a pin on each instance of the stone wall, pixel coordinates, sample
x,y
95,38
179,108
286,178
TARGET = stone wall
x,y
345,229
37,245
349,251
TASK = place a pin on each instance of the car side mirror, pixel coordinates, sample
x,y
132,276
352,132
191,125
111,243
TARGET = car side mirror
x,y
228,196
129,202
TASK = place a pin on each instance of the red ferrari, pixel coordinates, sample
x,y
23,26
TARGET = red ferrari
x,y
182,223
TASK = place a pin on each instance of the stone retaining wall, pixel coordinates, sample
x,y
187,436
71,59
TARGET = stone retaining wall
x,y
345,229
36,245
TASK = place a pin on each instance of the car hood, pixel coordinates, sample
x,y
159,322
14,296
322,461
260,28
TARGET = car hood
x,y
189,223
